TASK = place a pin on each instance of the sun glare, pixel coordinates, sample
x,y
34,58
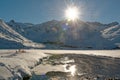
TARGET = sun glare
x,y
72,13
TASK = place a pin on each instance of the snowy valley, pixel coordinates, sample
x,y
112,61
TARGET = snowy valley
x,y
90,51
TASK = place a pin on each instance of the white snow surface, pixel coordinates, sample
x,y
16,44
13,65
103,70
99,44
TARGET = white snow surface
x,y
16,65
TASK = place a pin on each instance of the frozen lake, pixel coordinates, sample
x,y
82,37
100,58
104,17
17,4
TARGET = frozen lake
x,y
112,53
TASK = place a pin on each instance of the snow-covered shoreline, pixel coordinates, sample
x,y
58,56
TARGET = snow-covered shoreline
x,y
15,64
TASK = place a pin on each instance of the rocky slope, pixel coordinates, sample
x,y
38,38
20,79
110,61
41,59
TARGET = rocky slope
x,y
9,38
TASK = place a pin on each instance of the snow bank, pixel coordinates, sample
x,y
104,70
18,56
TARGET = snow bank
x,y
16,65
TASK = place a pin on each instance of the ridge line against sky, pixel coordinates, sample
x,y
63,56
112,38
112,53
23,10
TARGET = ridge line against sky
x,y
38,11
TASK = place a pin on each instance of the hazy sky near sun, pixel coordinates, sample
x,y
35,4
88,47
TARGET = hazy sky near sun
x,y
38,11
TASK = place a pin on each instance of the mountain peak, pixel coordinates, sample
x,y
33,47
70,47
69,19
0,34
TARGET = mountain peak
x,y
112,24
1,21
12,21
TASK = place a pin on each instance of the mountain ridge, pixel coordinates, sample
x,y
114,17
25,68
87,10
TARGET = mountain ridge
x,y
8,34
68,35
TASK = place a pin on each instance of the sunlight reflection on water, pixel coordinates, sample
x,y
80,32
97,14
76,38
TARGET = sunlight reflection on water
x,y
71,69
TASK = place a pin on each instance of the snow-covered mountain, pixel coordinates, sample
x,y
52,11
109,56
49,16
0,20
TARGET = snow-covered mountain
x,y
65,35
10,38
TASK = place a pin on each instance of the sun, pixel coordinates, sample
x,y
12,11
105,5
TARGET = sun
x,y
72,13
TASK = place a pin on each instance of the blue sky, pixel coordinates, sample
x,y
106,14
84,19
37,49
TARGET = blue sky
x,y
38,11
